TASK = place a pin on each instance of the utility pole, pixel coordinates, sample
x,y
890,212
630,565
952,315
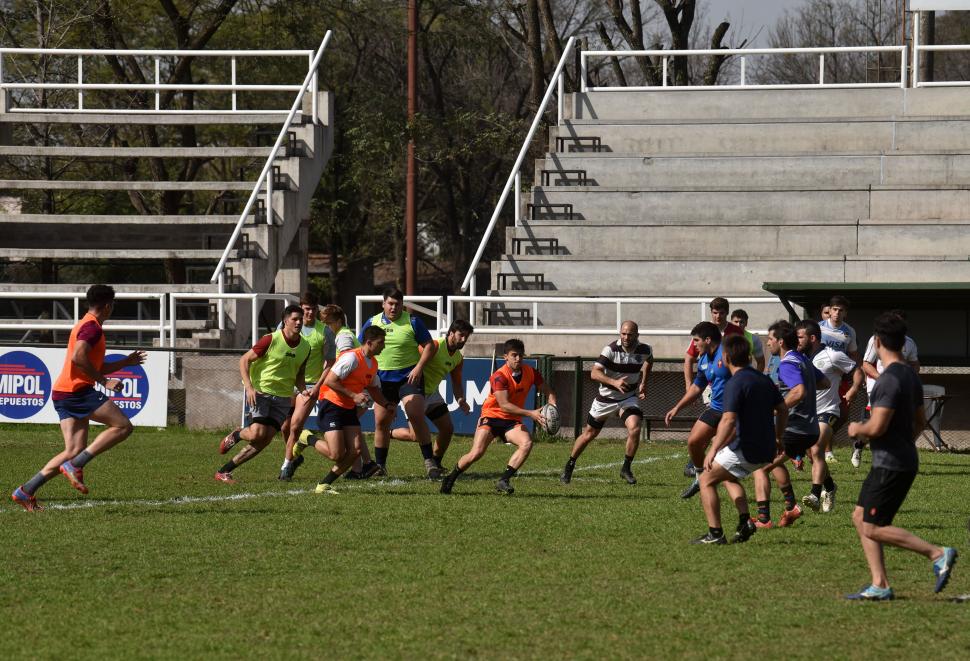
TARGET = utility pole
x,y
410,209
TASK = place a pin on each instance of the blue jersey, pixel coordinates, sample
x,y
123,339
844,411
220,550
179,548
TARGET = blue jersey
x,y
712,370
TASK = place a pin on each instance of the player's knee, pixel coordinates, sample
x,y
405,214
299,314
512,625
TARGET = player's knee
x,y
125,427
857,519
526,445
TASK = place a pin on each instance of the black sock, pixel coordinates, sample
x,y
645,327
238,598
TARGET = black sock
x,y
455,472
82,459
858,445
427,451
311,441
627,460
829,483
716,532
380,456
509,473
817,490
743,518
329,478
764,511
789,493
572,462
228,468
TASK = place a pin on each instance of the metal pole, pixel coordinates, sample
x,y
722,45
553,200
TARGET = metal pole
x,y
161,320
254,327
518,198
473,291
158,79
221,303
269,190
916,29
821,69
410,211
232,79
742,70
313,93
664,72
561,100
80,81
577,397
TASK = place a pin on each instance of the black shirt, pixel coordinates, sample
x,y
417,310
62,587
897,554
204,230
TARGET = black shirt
x,y
752,396
897,388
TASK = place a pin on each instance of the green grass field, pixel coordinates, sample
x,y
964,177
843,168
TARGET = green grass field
x,y
158,562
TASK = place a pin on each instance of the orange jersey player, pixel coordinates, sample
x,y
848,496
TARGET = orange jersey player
x,y
502,415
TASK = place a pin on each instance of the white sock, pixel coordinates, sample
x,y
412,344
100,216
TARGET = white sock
x,y
286,464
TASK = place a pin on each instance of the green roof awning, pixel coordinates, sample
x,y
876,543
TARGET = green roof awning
x,y
884,295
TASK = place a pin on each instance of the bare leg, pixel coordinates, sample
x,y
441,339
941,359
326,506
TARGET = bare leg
x,y
520,438
633,425
584,439
301,411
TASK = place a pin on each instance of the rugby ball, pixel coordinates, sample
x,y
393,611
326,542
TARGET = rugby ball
x,y
551,414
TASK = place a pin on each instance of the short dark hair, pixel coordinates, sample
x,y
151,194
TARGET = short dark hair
x,y
290,309
840,301
393,292
460,326
784,331
372,333
740,314
720,303
891,331
899,313
706,330
737,350
100,295
810,327
333,312
513,345
309,298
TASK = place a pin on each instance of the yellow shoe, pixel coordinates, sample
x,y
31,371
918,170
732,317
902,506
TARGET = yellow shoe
x,y
302,443
326,488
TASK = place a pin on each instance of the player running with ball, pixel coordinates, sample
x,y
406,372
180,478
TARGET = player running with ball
x,y
502,415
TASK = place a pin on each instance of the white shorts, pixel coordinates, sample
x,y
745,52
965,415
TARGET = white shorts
x,y
734,463
601,410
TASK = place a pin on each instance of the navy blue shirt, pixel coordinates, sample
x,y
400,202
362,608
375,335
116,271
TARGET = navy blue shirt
x,y
752,397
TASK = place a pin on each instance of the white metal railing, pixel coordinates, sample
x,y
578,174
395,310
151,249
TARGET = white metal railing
x,y
254,302
265,176
412,302
919,48
743,54
77,297
619,303
157,85
514,180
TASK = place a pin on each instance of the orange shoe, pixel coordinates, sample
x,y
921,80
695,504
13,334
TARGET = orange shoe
x,y
224,477
762,524
74,475
230,440
789,517
25,500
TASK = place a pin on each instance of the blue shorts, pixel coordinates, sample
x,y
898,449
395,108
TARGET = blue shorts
x,y
80,404
334,418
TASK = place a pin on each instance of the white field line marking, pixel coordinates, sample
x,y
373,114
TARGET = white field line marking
x,y
369,484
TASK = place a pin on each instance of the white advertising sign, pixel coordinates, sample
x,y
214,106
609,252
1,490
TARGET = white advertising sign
x,y
933,5
27,377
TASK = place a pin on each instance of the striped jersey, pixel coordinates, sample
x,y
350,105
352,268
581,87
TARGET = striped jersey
x,y
617,363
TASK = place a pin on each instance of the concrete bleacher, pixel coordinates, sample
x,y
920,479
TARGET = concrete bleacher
x,y
268,256
708,193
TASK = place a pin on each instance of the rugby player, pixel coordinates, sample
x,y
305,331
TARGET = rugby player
x,y
502,415
622,371
270,370
711,370
897,417
77,401
447,361
740,319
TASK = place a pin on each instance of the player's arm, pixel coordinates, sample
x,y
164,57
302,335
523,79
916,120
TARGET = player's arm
x,y
644,378
759,355
781,421
875,426
870,369
858,381
301,379
548,393
725,431
315,390
377,394
693,392
689,362
598,374
245,363
334,383
428,349
82,361
458,388
502,399
134,358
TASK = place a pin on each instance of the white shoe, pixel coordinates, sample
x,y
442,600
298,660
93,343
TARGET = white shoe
x,y
856,457
811,501
830,458
828,500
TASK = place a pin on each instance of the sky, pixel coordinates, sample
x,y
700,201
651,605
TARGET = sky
x,y
751,16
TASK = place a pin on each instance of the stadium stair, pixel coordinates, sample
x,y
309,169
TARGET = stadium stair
x,y
267,257
707,193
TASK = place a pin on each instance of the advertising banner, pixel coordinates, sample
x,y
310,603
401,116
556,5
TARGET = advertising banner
x,y
475,373
27,376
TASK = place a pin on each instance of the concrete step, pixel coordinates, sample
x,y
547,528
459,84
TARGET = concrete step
x,y
704,105
781,171
746,205
131,254
61,184
118,219
618,240
769,138
43,289
686,275
137,152
144,118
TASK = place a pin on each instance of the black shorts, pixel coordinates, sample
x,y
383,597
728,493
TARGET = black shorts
x,y
710,417
833,420
395,391
334,418
796,445
436,411
498,426
882,494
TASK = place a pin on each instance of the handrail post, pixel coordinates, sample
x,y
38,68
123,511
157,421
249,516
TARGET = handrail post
x,y
220,305
358,310
518,198
472,311
583,70
254,327
158,81
535,315
560,101
269,190
821,68
232,79
916,29
161,320
619,313
80,81
903,62
664,72
743,83
313,93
